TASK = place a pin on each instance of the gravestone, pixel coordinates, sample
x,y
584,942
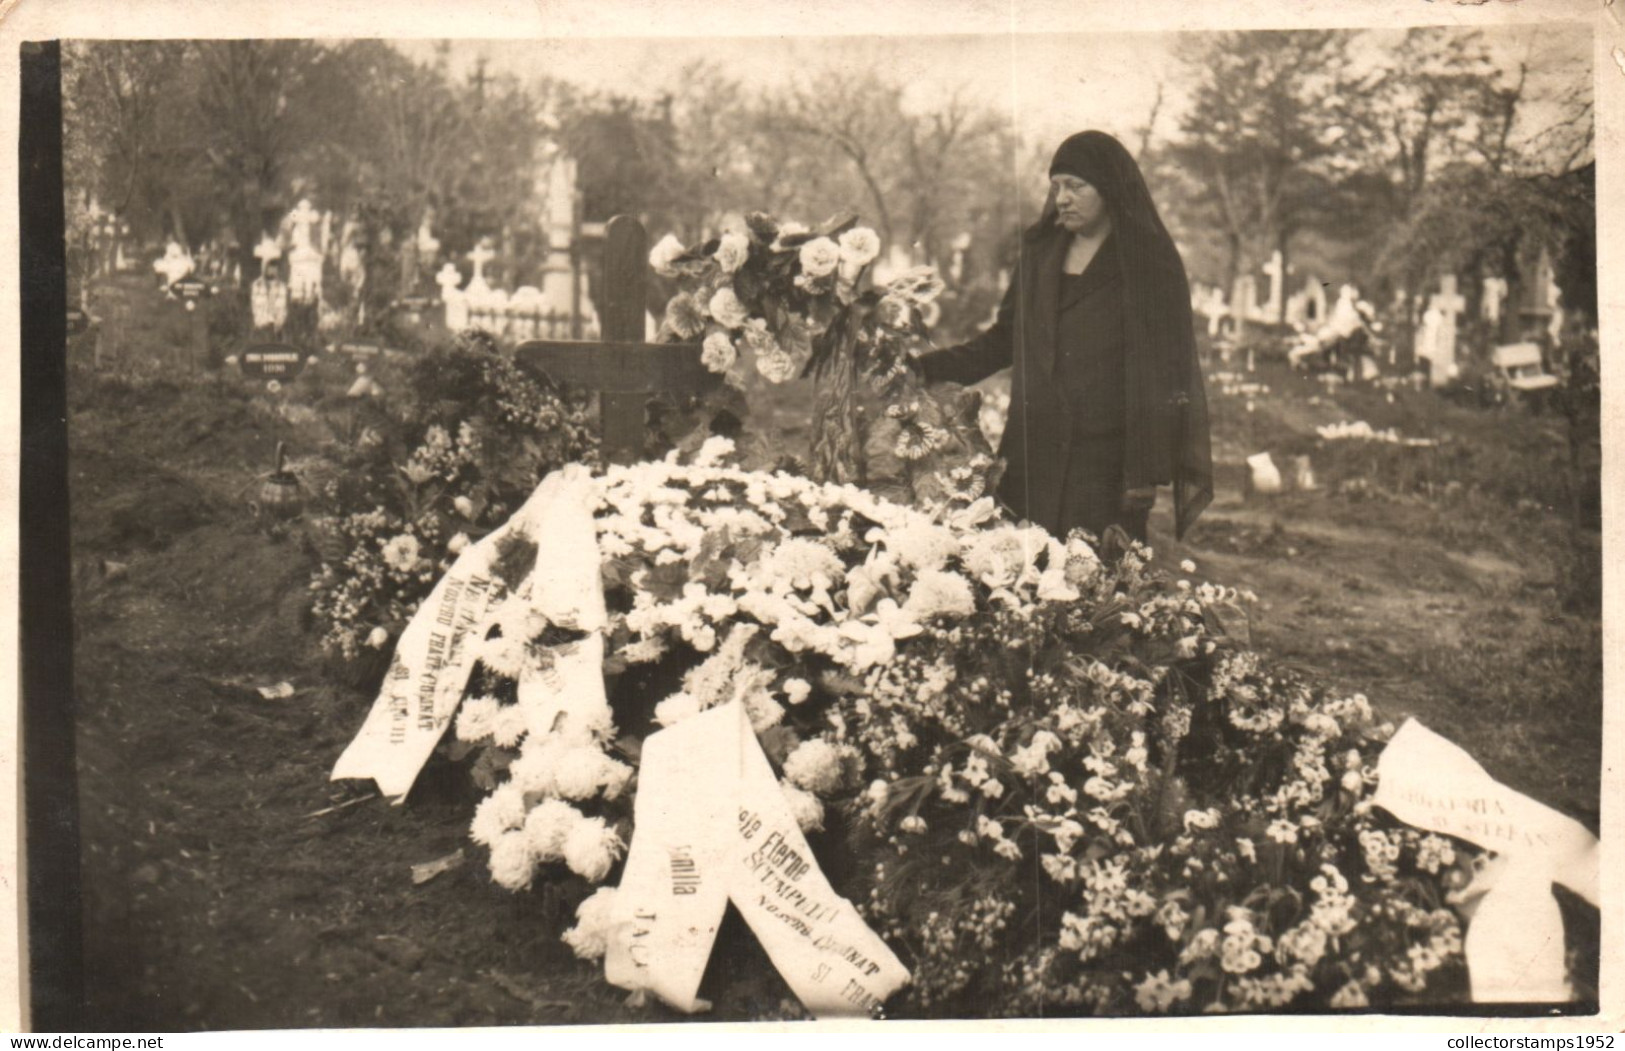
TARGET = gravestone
x,y
304,258
456,300
622,368
1428,348
193,294
479,255
1448,302
1271,311
175,264
1244,300
1308,306
268,297
1495,293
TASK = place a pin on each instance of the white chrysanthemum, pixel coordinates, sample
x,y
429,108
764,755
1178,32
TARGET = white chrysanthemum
x,y
508,728
378,638
805,807
726,308
676,708
477,718
938,592
511,863
455,545
815,765
595,919
860,246
1001,557
403,553
581,772
804,563
732,251
548,825
501,811
664,254
797,690
534,769
591,849
921,544
504,656
464,506
819,257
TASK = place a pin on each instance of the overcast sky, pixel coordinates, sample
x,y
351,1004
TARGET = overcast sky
x,y
1051,84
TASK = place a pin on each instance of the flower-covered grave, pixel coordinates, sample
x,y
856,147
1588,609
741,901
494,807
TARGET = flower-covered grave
x,y
1051,784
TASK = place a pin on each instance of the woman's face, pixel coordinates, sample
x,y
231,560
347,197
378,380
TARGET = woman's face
x,y
1079,206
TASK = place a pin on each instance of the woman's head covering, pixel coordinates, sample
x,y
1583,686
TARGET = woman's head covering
x,y
1166,406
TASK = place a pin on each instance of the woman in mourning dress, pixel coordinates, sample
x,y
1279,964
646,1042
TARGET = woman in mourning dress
x,y
1106,400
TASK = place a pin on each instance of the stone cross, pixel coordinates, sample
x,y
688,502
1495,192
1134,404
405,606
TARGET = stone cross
x,y
623,368
304,219
1448,302
479,256
267,252
175,264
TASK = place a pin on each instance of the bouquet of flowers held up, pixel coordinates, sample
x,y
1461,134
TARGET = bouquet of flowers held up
x,y
795,301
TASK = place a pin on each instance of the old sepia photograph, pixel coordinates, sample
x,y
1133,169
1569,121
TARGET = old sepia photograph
x,y
1030,523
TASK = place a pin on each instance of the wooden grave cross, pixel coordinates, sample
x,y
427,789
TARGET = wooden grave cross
x,y
621,367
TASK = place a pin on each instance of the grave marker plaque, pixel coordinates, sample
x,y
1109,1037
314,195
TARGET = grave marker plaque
x,y
272,361
623,369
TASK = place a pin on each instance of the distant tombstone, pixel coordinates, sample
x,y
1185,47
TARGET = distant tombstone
x,y
78,322
271,361
1262,474
175,264
1275,268
268,296
1429,347
1244,300
1495,293
1307,307
352,261
1448,303
428,245
304,258
454,297
193,294
479,255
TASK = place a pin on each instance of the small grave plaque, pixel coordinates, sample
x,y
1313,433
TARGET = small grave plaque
x,y
359,348
273,361
189,288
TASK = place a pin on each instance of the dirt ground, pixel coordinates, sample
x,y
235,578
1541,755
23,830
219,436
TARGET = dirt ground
x,y
228,884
